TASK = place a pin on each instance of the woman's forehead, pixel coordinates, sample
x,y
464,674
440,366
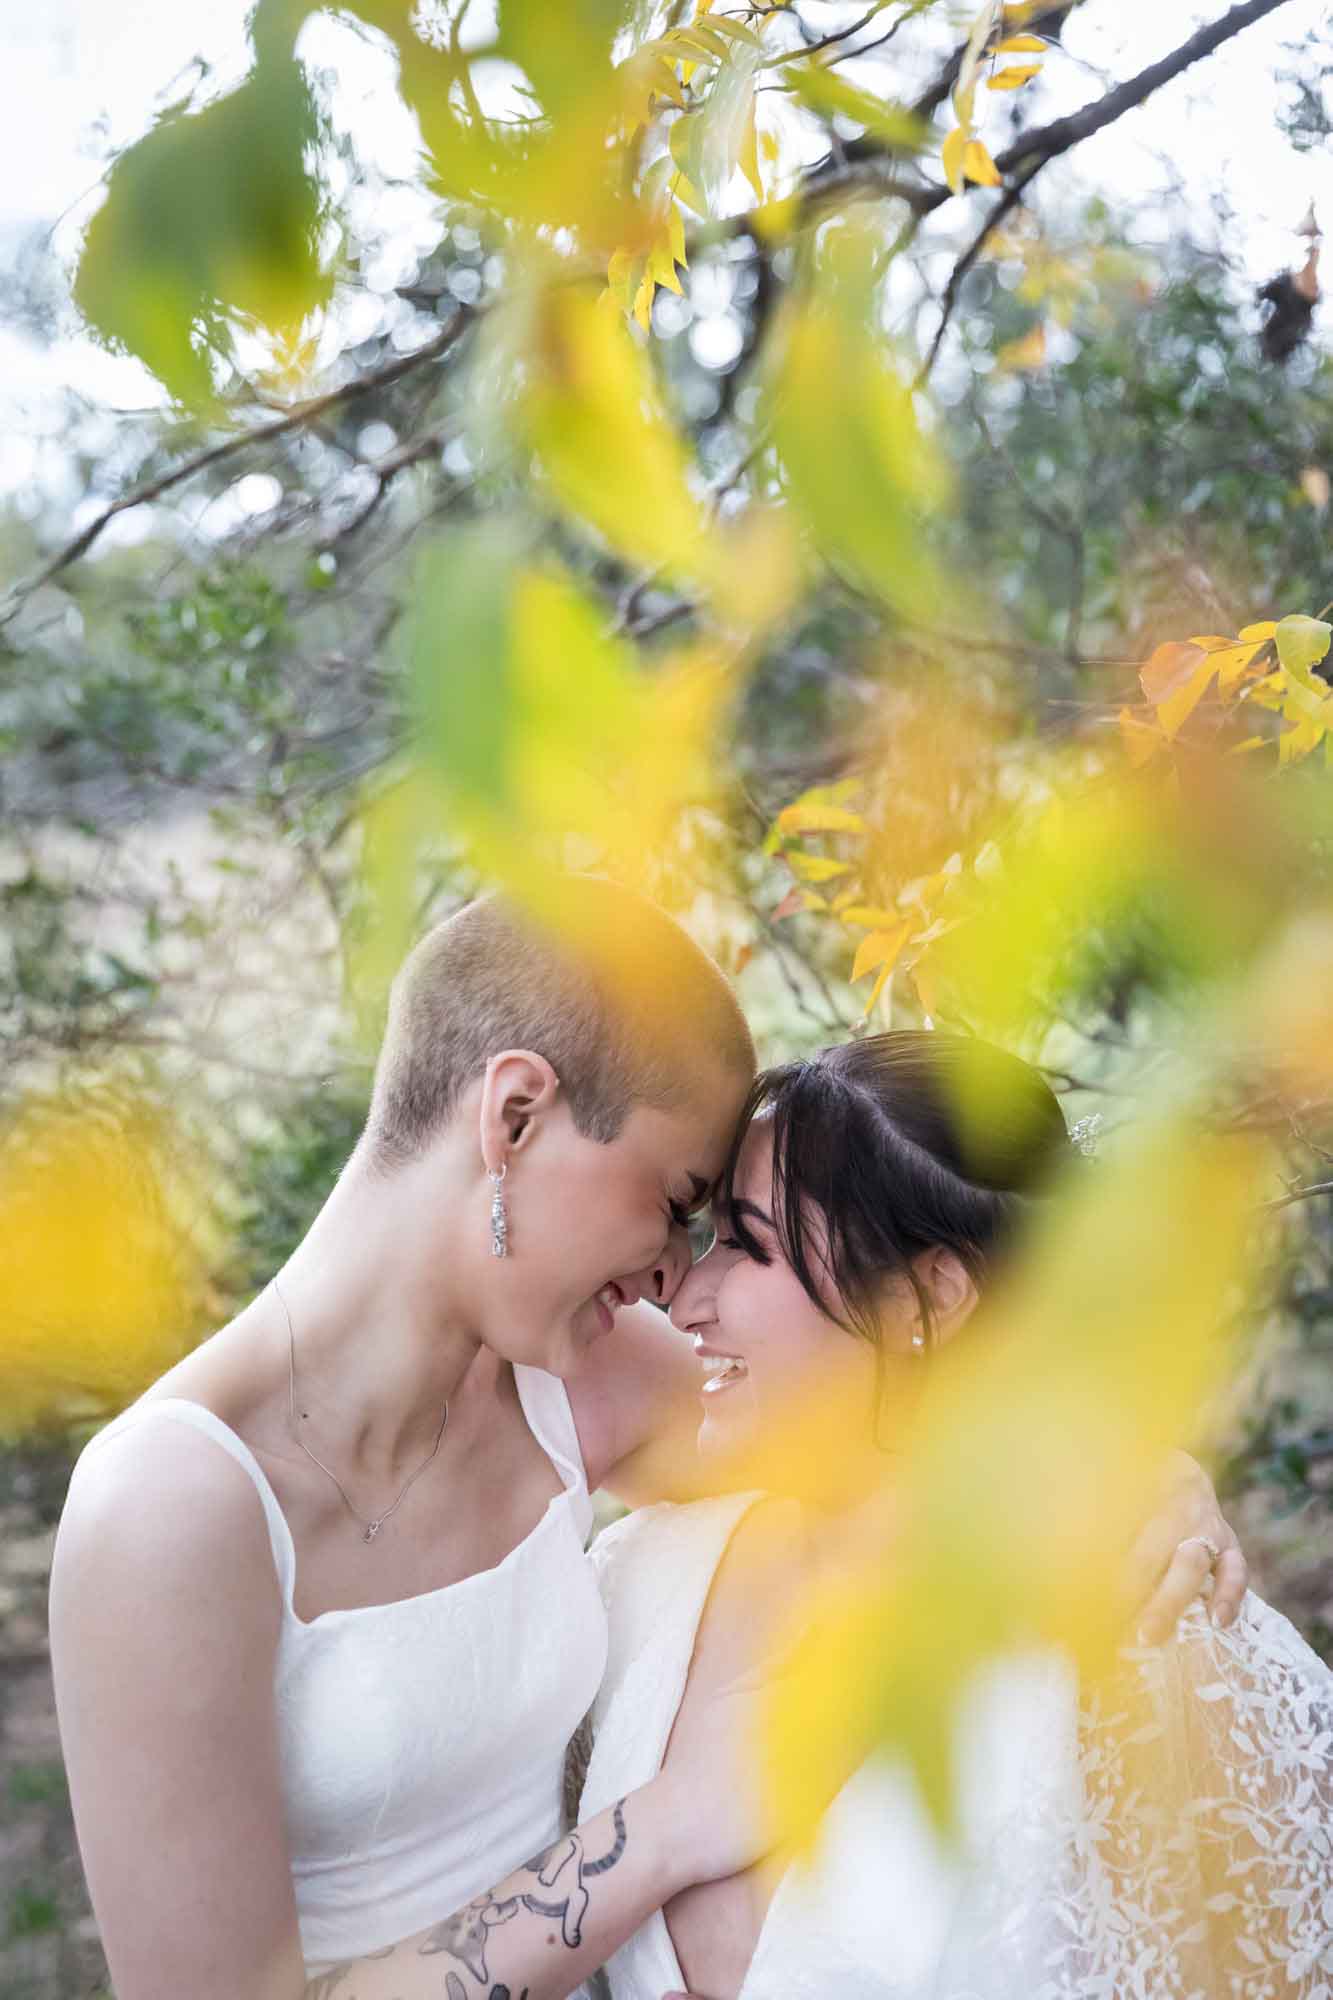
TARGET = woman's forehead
x,y
753,1174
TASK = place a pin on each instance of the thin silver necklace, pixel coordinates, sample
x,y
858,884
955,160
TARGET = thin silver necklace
x,y
369,1529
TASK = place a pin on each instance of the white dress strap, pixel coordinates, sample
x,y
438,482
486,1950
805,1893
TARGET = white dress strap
x,y
201,1419
550,1417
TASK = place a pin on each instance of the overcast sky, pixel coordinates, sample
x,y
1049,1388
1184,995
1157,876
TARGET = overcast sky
x,y
82,74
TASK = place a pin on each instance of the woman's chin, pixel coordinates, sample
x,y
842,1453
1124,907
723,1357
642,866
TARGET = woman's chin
x,y
730,1423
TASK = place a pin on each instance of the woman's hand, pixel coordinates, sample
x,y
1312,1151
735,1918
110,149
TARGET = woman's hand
x,y
1169,1565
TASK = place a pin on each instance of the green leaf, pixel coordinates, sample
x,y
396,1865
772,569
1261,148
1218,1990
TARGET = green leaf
x,y
830,95
591,411
858,469
211,219
1301,644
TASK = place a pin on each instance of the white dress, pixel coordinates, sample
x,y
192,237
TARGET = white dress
x,y
1169,1839
422,1741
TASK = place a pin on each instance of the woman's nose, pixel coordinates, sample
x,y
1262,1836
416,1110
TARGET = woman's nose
x,y
671,1267
692,1302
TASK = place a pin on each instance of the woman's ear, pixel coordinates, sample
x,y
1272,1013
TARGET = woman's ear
x,y
518,1087
951,1289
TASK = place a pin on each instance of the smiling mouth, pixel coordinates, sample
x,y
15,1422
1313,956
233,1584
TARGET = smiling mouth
x,y
721,1371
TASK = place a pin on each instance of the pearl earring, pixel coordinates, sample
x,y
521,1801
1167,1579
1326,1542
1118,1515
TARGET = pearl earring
x,y
499,1214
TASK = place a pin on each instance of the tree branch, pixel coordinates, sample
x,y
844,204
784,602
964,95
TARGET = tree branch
x,y
1043,142
1007,203
293,419
1301,1194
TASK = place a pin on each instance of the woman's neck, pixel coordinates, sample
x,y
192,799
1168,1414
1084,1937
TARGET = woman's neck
x,y
369,1314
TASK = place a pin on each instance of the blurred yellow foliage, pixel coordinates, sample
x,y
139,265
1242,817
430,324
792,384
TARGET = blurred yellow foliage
x,y
102,1272
1025,1469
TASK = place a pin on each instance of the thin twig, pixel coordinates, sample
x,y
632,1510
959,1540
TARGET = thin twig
x,y
294,419
1008,202
1047,141
829,41
1301,1194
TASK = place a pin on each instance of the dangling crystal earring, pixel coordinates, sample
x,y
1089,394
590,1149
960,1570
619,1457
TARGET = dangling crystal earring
x,y
499,1214
918,1342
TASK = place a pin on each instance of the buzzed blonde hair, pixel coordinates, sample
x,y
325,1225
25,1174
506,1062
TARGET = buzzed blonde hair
x,y
619,999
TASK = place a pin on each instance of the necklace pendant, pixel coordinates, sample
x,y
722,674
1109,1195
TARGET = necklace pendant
x,y
372,1529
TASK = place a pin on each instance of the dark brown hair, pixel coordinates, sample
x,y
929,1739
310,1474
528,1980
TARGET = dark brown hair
x,y
893,1145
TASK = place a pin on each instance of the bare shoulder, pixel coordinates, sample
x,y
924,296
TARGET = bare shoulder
x,y
636,1382
761,1570
166,1617
161,1517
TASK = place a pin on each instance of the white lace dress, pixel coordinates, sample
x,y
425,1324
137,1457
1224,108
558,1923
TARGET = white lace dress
x,y
1170,1838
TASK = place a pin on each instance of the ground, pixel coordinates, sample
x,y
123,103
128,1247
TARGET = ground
x,y
48,1940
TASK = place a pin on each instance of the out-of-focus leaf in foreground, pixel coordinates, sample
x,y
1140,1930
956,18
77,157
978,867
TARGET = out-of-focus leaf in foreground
x,y
211,217
544,745
1030,1463
859,469
101,1265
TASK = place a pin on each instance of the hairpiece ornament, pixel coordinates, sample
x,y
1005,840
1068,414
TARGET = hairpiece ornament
x,y
1087,1133
499,1214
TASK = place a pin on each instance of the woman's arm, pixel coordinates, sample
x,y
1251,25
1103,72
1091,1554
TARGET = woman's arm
x,y
540,1933
636,1407
635,1400
165,1617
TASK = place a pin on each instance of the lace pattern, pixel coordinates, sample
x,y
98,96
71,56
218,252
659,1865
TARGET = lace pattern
x,y
1187,1851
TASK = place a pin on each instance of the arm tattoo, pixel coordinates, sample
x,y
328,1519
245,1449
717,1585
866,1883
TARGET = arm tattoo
x,y
572,1906
564,1867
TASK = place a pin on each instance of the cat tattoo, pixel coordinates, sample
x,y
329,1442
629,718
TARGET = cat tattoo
x,y
562,1867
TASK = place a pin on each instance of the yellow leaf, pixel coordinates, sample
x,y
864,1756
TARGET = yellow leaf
x,y
870,917
1175,680
834,374
1229,658
1020,45
817,867
662,268
885,975
811,816
978,165
102,1260
1315,487
1013,78
539,727
1265,630
776,219
591,411
1025,353
982,1563
878,949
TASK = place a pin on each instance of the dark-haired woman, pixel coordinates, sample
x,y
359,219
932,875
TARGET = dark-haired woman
x,y
1176,1840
